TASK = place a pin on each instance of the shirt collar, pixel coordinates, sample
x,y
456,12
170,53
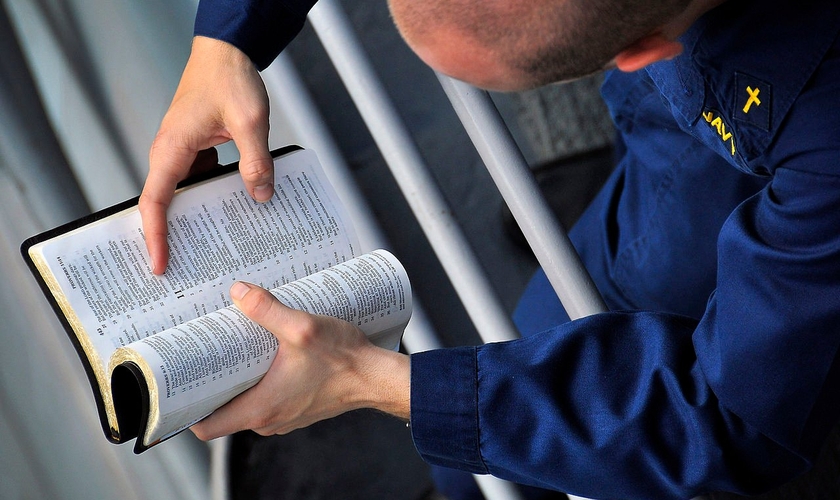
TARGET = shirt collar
x,y
762,39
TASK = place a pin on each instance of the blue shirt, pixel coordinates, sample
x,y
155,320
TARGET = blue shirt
x,y
731,384
737,394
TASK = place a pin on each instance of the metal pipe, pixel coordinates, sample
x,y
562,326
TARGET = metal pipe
x,y
516,183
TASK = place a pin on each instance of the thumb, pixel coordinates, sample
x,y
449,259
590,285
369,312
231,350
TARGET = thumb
x,y
261,306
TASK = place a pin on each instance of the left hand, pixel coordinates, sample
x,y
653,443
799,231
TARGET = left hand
x,y
324,367
220,97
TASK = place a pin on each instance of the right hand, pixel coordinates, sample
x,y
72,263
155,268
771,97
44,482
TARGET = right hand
x,y
220,97
324,367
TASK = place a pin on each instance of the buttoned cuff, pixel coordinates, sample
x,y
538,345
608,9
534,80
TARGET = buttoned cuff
x,y
444,408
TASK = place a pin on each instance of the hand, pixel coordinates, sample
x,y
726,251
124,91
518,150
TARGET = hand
x,y
324,367
220,97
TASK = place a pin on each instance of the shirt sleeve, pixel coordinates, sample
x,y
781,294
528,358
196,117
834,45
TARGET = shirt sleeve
x,y
610,406
259,28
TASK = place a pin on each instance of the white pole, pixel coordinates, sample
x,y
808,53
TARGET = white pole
x,y
518,187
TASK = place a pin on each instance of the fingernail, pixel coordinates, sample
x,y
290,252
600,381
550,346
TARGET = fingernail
x,y
238,290
263,193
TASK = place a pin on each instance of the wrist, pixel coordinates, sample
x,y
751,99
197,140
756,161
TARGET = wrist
x,y
385,379
219,51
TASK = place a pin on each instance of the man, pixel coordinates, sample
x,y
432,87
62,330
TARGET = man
x,y
716,242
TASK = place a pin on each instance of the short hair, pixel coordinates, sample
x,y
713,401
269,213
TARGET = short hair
x,y
547,40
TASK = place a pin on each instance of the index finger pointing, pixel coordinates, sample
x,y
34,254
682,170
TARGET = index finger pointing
x,y
154,200
157,194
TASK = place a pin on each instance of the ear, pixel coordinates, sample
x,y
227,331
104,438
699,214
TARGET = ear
x,y
647,50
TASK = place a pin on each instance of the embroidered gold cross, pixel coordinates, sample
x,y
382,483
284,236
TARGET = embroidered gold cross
x,y
752,99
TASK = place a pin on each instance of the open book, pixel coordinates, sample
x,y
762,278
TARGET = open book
x,y
163,352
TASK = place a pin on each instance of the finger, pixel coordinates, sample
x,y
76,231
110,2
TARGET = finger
x,y
247,411
155,199
258,174
166,170
226,419
255,162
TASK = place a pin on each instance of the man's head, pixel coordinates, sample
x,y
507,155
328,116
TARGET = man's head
x,y
516,44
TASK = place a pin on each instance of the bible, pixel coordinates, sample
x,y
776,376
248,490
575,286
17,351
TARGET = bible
x,y
163,352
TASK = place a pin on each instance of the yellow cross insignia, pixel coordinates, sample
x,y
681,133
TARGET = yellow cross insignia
x,y
753,99
755,107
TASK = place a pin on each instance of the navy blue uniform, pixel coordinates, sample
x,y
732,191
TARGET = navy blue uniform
x,y
717,245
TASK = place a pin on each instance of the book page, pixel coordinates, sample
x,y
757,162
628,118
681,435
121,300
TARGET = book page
x,y
202,364
217,234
